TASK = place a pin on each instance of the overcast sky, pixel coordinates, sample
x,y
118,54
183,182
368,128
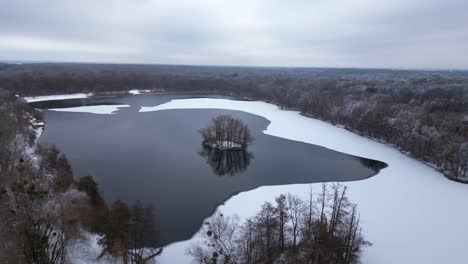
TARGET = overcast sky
x,y
317,33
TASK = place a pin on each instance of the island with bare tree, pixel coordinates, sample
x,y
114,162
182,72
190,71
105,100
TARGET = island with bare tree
x,y
227,133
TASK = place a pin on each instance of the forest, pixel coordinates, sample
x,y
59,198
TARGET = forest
x,y
423,113
45,211
325,229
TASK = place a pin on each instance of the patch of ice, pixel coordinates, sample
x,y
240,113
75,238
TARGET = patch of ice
x,y
410,212
93,109
31,99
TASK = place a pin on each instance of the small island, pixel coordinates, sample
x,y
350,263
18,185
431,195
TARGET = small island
x,y
227,133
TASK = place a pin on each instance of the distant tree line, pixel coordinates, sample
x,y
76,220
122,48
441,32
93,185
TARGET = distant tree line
x,y
323,229
423,113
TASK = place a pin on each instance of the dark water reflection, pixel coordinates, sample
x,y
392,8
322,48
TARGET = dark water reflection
x,y
374,165
225,161
156,157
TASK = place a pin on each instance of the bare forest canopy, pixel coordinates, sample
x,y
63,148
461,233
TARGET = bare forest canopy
x,y
45,212
324,229
423,113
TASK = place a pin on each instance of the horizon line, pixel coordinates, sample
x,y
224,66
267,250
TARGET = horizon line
x,y
19,62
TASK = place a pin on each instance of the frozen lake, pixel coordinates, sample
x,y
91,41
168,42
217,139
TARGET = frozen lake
x,y
157,157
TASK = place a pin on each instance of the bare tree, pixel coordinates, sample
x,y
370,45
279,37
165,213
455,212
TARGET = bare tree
x,y
259,239
296,208
282,211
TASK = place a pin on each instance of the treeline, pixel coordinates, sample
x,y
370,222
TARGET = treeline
x,y
45,212
130,234
324,229
424,113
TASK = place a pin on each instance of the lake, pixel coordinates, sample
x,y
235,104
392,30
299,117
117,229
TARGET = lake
x,y
157,157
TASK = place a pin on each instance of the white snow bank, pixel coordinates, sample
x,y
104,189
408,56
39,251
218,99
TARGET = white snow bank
x,y
31,99
93,109
136,92
226,144
410,212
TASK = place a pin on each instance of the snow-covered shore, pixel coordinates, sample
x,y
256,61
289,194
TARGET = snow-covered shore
x,y
225,145
410,212
93,109
32,99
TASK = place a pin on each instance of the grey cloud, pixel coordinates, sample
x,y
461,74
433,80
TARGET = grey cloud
x,y
361,33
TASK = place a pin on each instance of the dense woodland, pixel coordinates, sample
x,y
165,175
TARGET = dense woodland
x,y
424,113
325,229
45,212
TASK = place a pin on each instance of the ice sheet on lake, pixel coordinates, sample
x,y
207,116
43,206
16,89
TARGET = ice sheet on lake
x,y
93,109
31,99
410,212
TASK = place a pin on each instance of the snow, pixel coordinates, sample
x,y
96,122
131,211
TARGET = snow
x,y
38,124
226,144
136,92
32,99
37,128
93,109
87,250
410,212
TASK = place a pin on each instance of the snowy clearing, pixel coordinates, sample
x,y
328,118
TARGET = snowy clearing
x,y
93,109
410,212
31,99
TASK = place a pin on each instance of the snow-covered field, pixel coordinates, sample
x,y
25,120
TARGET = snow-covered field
x,y
32,99
93,109
410,212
